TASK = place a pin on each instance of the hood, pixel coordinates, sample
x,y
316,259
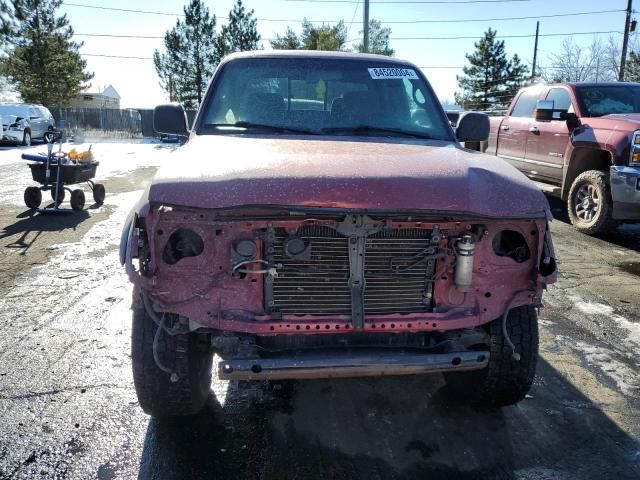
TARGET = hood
x,y
216,171
10,119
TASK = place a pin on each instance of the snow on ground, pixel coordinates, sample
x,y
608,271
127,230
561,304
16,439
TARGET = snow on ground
x,y
600,309
117,158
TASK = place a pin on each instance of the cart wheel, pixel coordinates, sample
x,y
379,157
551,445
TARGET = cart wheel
x,y
32,197
77,200
61,194
99,193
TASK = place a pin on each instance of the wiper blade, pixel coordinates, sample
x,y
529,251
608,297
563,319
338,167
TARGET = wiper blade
x,y
264,126
371,129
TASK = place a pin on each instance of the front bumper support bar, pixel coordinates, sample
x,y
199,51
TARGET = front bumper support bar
x,y
340,363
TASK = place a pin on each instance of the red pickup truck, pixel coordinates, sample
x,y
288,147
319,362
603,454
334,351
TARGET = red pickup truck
x,y
580,141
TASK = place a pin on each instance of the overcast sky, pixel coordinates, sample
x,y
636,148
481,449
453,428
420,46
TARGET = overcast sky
x,y
137,83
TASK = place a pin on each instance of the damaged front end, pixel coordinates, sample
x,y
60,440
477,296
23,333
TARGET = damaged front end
x,y
287,293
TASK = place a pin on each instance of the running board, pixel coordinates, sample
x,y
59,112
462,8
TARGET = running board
x,y
549,189
340,363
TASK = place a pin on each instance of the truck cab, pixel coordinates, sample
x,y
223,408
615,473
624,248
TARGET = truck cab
x,y
575,140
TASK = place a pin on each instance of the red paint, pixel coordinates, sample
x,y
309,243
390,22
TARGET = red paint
x,y
355,173
203,289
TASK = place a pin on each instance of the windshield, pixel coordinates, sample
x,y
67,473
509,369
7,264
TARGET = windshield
x,y
323,96
603,100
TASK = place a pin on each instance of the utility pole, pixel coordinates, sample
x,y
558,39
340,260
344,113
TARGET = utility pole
x,y
535,53
625,41
366,26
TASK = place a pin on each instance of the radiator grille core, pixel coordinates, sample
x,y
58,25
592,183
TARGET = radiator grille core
x,y
396,276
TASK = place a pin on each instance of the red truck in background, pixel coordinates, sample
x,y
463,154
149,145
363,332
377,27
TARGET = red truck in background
x,y
581,142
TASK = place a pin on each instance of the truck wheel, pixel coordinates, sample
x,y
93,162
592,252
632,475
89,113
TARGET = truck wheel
x,y
589,204
32,197
77,200
504,381
187,354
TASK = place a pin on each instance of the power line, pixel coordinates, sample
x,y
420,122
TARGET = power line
x,y
109,35
115,56
115,36
503,18
391,22
475,37
424,2
126,10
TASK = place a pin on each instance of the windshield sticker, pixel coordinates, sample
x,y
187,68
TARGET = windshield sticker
x,y
387,73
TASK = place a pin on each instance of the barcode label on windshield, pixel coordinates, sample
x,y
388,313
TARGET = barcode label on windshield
x,y
387,73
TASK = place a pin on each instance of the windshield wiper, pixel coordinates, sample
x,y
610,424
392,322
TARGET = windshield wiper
x,y
264,126
373,130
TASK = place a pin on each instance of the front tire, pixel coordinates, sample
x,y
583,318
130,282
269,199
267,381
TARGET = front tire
x,y
99,193
77,200
57,193
32,197
589,205
26,138
188,354
504,381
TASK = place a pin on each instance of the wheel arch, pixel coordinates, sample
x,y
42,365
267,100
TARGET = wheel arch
x,y
581,160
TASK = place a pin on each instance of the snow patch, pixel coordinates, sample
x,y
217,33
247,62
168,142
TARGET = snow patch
x,y
624,377
600,309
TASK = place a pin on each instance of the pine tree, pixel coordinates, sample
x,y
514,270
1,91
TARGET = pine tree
x,y
42,59
378,39
632,68
491,81
190,57
240,34
288,41
324,37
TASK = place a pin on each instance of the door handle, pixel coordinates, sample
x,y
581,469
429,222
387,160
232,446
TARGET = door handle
x,y
504,128
534,130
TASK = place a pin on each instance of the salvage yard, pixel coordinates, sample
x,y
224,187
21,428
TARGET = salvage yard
x,y
68,408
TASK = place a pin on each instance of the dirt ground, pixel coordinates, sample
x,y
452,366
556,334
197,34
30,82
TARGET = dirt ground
x,y
68,408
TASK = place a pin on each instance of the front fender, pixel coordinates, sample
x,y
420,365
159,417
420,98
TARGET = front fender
x,y
125,235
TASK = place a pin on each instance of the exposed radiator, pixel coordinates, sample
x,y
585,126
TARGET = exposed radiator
x,y
396,277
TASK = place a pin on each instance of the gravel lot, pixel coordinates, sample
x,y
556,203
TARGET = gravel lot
x,y
68,408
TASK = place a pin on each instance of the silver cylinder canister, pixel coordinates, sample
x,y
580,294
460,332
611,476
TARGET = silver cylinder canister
x,y
465,250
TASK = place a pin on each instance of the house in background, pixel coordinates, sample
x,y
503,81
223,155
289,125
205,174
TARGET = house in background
x,y
108,98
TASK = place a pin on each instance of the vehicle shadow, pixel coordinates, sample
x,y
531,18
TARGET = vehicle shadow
x,y
32,224
390,428
626,235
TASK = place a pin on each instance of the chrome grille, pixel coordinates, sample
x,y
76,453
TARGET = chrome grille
x,y
320,285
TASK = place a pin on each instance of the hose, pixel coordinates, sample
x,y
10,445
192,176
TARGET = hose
x,y
515,356
174,377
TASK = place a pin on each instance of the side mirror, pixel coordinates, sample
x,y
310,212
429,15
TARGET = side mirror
x,y
473,127
170,119
544,110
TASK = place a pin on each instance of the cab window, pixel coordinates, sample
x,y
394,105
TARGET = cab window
x,y
561,99
525,105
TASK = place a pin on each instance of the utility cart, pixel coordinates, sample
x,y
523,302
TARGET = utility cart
x,y
55,172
